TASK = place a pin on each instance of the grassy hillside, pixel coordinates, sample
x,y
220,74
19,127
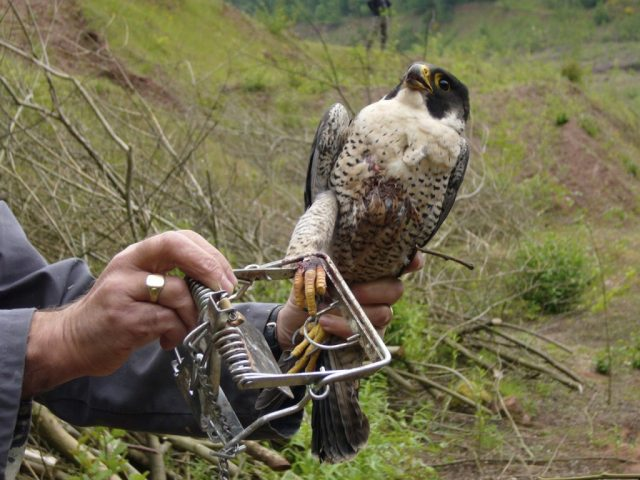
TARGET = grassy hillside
x,y
219,111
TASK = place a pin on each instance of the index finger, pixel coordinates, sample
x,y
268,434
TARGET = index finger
x,y
417,262
169,250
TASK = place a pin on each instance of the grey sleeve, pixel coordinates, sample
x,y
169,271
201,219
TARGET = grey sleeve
x,y
26,283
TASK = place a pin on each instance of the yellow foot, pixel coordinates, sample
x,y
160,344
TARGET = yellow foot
x,y
309,281
307,353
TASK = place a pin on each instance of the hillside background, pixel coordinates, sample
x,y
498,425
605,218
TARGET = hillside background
x,y
121,119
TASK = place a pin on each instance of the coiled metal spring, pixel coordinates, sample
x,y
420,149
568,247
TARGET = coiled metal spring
x,y
199,292
231,345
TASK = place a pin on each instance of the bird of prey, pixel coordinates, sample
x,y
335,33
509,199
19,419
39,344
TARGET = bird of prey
x,y
377,188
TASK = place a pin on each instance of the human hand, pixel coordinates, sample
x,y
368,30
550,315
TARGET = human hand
x,y
95,335
376,299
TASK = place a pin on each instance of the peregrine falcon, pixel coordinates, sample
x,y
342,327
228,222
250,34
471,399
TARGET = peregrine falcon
x,y
378,187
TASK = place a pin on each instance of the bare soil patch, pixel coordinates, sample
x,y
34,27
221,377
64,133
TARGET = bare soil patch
x,y
594,182
73,47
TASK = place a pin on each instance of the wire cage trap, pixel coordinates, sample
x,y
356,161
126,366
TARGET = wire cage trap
x,y
223,336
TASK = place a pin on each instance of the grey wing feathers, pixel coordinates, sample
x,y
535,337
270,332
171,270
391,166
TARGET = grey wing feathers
x,y
455,180
327,144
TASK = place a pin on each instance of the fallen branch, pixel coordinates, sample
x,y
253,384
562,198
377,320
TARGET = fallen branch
x,y
399,380
431,384
156,462
533,333
51,429
39,457
537,352
198,448
270,458
396,351
538,461
514,426
467,353
615,476
139,458
526,363
39,470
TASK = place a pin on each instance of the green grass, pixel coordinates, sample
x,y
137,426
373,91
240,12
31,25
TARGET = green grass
x,y
395,448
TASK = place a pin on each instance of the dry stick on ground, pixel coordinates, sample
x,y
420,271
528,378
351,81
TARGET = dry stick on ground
x,y
156,462
269,457
196,447
399,380
431,384
537,352
537,335
526,363
51,429
273,460
467,353
597,476
537,461
506,411
142,460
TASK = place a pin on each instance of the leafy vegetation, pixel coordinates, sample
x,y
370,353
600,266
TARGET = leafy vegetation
x,y
556,273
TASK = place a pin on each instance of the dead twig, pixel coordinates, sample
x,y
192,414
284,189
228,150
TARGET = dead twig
x,y
512,358
431,384
399,380
51,429
536,351
156,462
444,256
597,476
198,448
270,458
514,426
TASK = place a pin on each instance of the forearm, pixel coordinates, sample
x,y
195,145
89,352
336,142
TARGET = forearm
x,y
49,360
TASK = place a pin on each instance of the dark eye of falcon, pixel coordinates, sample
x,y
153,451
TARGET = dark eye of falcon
x,y
444,84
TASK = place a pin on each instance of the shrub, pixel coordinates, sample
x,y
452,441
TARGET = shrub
x,y
601,15
561,119
631,167
589,3
603,364
555,274
589,125
572,71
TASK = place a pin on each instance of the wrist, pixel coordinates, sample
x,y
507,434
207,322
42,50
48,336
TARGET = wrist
x,y
49,359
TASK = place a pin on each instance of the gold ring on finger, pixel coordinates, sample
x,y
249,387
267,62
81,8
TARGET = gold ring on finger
x,y
155,284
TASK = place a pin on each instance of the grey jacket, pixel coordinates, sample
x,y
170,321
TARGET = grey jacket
x,y
142,395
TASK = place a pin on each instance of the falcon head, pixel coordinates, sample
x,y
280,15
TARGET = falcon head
x,y
444,95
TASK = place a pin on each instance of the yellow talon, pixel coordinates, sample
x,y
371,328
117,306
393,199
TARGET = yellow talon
x,y
310,291
321,280
299,365
320,335
298,288
313,361
303,361
301,347
308,353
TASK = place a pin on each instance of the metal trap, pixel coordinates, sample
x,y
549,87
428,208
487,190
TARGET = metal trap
x,y
224,336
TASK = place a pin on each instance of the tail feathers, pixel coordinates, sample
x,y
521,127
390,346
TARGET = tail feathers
x,y
340,428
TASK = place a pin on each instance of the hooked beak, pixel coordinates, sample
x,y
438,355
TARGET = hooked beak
x,y
418,78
